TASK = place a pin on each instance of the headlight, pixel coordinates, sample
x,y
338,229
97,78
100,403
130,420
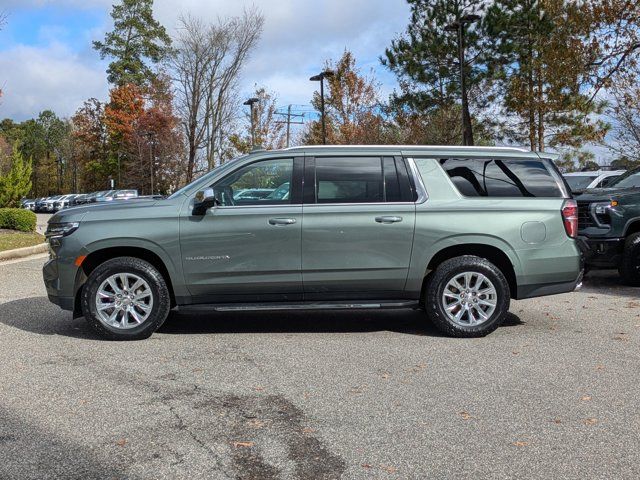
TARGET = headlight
x,y
604,207
58,230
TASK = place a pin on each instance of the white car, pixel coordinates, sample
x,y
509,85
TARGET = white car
x,y
580,181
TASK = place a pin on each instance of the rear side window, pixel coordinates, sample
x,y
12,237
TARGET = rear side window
x,y
349,180
489,177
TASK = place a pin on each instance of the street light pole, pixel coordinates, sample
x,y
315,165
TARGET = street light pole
x,y
320,78
251,102
458,27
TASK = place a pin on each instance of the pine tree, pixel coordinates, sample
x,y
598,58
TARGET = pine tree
x,y
540,65
137,38
426,58
16,184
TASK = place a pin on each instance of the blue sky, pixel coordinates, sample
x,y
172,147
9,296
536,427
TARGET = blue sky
x,y
46,59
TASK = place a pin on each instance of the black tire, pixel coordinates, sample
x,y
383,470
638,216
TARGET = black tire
x,y
146,271
629,268
439,279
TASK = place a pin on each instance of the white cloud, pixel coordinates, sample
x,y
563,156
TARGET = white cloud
x,y
35,79
299,35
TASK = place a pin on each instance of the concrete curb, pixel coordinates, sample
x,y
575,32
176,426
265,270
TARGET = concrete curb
x,y
24,252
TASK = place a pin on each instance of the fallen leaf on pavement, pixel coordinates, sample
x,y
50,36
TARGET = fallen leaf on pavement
x,y
122,442
586,398
591,421
521,444
242,444
466,415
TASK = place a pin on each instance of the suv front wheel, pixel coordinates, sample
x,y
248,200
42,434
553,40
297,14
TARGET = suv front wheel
x,y
125,298
467,296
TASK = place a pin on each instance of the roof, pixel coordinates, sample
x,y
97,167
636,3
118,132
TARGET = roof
x,y
595,172
425,148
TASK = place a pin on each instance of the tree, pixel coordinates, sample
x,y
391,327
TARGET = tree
x,y
426,59
268,129
539,64
353,111
16,184
90,134
136,40
625,113
206,65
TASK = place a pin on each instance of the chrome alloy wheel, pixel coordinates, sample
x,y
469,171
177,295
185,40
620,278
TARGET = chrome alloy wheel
x,y
469,299
124,300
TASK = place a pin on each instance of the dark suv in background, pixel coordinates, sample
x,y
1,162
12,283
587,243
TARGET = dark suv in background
x,y
609,226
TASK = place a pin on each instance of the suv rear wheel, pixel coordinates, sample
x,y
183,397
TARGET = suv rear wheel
x,y
467,296
125,298
629,268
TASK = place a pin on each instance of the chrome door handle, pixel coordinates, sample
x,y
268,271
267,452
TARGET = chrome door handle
x,y
282,221
388,219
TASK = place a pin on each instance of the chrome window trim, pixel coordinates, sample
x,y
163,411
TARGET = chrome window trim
x,y
421,190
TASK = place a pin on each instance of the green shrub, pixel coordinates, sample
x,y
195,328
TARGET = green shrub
x,y
17,219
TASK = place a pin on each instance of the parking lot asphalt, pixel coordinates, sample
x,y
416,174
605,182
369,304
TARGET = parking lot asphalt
x,y
323,395
41,222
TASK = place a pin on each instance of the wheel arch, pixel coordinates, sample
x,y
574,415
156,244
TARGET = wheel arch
x,y
492,253
97,257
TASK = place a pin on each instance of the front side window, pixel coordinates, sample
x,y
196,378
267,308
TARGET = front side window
x,y
579,182
627,180
488,177
267,182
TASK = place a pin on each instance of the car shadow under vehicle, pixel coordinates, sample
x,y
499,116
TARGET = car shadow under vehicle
x,y
608,282
38,315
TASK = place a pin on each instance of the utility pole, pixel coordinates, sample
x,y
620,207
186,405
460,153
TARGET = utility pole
x,y
289,122
459,27
320,78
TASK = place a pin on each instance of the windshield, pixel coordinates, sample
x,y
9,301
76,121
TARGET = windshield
x,y
628,180
217,169
579,182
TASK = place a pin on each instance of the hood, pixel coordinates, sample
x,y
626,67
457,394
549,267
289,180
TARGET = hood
x,y
605,194
115,208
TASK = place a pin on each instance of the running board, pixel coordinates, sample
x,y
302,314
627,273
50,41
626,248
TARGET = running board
x,y
279,306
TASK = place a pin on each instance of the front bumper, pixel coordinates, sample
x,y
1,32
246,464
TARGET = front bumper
x,y
59,279
601,252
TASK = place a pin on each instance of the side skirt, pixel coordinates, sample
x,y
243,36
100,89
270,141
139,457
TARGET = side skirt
x,y
279,306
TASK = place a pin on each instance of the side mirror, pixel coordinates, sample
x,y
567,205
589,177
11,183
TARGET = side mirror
x,y
204,200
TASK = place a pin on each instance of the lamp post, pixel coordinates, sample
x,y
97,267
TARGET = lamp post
x,y
151,136
459,27
251,102
320,78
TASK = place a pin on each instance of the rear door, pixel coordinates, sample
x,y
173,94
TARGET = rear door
x,y
358,225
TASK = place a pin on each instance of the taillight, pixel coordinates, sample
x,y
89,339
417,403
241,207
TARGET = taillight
x,y
570,217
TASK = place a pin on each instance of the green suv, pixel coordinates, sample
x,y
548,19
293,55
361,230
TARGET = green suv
x,y
609,226
457,232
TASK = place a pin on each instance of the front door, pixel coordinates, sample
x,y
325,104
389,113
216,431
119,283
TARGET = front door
x,y
357,234
247,249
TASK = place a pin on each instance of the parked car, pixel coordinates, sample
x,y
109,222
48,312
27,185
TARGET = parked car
x,y
457,232
253,193
609,226
65,201
581,181
78,200
28,204
39,205
50,204
117,195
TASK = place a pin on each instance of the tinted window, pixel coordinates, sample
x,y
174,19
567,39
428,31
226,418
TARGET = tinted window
x,y
627,180
349,180
260,183
487,177
579,182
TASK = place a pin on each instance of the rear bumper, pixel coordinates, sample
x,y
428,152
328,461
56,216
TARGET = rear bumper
x,y
601,252
531,291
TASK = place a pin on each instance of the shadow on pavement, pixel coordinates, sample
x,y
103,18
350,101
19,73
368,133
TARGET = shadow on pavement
x,y
30,451
608,282
37,315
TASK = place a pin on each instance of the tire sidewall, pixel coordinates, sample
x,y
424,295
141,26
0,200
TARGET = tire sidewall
x,y
630,259
438,282
146,271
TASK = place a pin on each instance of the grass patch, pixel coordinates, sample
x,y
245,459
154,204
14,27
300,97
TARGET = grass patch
x,y
10,239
